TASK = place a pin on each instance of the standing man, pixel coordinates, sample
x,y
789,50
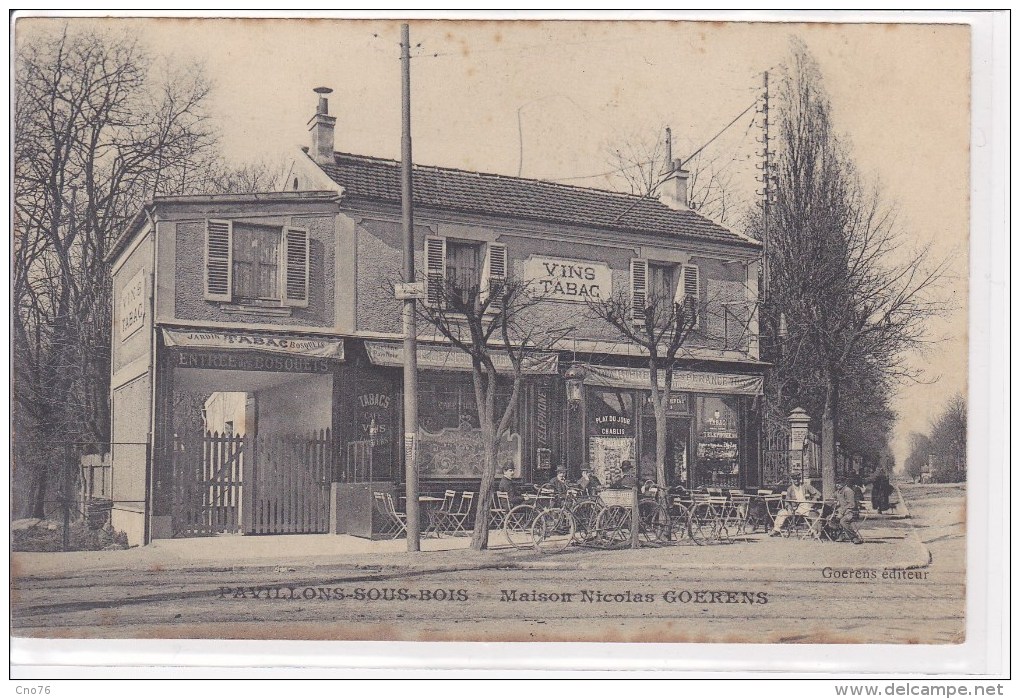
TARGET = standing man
x,y
800,499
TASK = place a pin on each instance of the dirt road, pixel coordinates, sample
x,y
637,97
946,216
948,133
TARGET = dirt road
x,y
574,597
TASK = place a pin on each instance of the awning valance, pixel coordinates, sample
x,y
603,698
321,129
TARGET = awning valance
x,y
452,359
692,381
322,348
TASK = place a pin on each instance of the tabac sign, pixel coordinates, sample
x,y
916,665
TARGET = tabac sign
x,y
131,310
562,279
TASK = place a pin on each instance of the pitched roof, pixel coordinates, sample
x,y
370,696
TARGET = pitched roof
x,y
377,179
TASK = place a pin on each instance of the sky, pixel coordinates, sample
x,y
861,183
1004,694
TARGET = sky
x,y
550,100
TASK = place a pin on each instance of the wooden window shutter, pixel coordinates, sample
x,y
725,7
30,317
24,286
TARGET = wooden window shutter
x,y
435,269
691,283
494,271
638,289
295,267
219,248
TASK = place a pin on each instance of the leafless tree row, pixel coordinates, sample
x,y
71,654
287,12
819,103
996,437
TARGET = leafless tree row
x,y
100,126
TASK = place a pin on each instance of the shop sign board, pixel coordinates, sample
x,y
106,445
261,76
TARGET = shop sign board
x,y
131,309
568,280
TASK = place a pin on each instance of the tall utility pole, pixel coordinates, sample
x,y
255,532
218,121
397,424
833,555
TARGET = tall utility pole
x,y
410,329
766,178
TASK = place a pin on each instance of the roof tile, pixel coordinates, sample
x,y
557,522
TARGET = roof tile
x,y
371,178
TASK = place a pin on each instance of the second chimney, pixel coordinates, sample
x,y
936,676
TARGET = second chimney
x,y
321,127
674,189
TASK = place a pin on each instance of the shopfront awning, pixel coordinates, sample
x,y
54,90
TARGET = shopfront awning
x,y
321,348
692,381
451,359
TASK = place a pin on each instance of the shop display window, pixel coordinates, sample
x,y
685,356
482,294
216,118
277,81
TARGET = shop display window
x,y
718,457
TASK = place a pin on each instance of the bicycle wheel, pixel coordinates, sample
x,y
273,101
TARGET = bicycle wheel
x,y
701,524
655,527
614,525
678,523
586,515
553,530
517,526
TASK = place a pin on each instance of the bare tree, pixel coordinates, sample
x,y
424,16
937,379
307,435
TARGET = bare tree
x,y
854,296
643,164
99,127
917,459
949,441
482,320
661,326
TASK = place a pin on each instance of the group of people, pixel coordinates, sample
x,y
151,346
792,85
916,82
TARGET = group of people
x,y
803,500
587,484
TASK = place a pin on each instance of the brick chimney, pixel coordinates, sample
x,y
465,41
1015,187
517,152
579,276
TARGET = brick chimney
x,y
673,192
321,127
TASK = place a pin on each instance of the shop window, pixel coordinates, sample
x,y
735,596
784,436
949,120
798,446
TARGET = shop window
x,y
718,457
262,265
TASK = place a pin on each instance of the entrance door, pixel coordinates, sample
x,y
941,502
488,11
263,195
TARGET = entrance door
x,y
678,450
678,440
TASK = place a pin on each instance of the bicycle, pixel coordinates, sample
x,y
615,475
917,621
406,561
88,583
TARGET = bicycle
x,y
540,524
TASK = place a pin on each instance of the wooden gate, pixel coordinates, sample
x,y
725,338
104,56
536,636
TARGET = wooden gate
x,y
291,481
208,470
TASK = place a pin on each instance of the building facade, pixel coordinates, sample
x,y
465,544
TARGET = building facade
x,y
257,350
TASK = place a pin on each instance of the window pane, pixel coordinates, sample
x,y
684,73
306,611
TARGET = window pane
x,y
660,282
256,262
463,265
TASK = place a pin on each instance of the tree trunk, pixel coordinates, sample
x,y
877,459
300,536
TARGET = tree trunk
x,y
660,445
480,535
829,421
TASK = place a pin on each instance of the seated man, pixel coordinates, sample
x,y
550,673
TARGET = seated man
x,y
800,498
588,483
848,509
508,486
558,485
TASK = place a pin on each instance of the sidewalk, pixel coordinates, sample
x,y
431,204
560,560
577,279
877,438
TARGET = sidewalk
x,y
892,542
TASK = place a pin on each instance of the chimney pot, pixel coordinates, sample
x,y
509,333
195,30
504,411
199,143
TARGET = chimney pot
x,y
321,126
674,189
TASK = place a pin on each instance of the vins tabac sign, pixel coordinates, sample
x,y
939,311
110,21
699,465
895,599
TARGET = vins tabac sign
x,y
561,279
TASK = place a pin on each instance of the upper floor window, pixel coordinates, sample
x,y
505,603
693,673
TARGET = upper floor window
x,y
256,264
656,283
461,269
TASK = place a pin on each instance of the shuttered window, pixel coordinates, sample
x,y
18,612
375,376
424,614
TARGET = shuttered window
x,y
638,289
691,283
218,270
435,269
295,284
494,273
252,263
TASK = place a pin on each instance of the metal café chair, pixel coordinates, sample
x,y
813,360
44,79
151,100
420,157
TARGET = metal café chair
x,y
499,509
386,523
398,518
454,519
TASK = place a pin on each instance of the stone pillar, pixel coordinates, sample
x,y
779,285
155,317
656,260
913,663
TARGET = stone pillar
x,y
798,420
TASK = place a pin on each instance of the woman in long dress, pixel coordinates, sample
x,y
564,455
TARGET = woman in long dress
x,y
880,490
